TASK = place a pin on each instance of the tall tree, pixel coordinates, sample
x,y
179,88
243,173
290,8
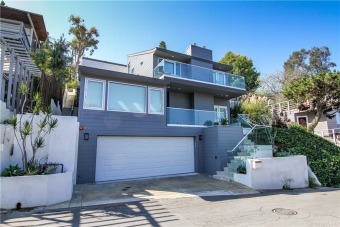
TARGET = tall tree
x,y
53,61
272,84
84,40
323,89
243,66
162,44
307,62
2,3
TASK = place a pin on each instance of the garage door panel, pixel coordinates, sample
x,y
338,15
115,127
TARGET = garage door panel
x,y
134,157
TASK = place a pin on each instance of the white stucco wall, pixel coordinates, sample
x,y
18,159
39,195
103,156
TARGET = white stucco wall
x,y
6,145
4,112
38,190
61,145
273,171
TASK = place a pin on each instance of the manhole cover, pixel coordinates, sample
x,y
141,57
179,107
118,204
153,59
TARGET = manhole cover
x,y
283,211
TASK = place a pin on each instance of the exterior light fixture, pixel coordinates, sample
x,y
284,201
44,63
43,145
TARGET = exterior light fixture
x,y
86,136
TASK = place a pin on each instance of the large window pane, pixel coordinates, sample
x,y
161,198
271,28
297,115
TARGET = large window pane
x,y
127,98
94,94
156,101
169,67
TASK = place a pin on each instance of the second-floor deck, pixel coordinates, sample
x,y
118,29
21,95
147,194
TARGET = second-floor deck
x,y
196,73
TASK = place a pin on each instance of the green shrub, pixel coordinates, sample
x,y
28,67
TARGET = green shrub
x,y
223,121
72,84
323,156
12,171
8,122
241,169
281,154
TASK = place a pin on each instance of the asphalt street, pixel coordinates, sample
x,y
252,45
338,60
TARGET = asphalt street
x,y
299,207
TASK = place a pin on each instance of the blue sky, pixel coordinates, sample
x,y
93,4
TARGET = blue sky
x,y
266,32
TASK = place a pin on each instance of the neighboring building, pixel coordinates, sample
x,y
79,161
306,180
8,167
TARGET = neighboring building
x,y
303,115
149,117
20,33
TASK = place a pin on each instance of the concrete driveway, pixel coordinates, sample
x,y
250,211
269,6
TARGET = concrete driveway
x,y
156,188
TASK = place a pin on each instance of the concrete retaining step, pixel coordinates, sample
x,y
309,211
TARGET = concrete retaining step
x,y
222,178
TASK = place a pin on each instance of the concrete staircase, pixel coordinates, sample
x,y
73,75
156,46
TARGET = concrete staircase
x,y
235,158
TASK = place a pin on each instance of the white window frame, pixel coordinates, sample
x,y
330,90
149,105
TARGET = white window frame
x,y
216,77
136,85
149,100
218,112
103,95
175,68
304,116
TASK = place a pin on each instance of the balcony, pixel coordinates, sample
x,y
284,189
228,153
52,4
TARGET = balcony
x,y
190,117
196,73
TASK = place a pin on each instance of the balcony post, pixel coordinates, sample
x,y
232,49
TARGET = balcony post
x,y
333,131
10,80
15,82
2,81
19,84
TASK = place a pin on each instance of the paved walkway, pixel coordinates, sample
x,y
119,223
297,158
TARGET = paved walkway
x,y
308,207
156,188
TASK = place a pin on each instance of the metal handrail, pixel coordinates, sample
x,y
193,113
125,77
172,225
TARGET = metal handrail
x,y
252,129
162,63
252,126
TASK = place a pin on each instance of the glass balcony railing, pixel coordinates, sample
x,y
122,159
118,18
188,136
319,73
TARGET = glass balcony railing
x,y
177,116
186,71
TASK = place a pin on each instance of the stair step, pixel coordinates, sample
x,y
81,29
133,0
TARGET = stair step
x,y
222,178
222,173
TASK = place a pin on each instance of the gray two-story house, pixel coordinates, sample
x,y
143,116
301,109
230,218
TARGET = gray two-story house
x,y
155,116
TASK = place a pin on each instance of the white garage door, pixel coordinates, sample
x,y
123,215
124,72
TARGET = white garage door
x,y
133,157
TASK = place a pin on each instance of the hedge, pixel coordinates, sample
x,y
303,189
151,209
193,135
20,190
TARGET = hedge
x,y
323,156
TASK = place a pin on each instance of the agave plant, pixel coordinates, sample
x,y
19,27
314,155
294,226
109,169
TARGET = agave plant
x,y
25,130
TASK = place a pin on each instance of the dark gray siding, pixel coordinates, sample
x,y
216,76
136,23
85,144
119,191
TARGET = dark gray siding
x,y
217,141
180,100
221,101
110,123
199,52
203,101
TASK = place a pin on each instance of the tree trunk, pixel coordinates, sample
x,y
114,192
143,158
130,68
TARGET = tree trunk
x,y
316,119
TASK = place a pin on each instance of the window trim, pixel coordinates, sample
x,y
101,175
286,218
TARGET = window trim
x,y
149,100
87,79
218,112
175,68
136,85
302,116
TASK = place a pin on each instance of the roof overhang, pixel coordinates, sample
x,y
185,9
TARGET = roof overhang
x,y
189,86
21,15
168,54
119,76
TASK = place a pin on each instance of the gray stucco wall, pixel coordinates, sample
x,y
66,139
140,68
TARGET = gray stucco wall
x,y
110,123
217,141
143,64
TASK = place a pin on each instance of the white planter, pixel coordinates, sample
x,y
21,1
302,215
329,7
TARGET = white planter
x,y
38,190
271,173
242,178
